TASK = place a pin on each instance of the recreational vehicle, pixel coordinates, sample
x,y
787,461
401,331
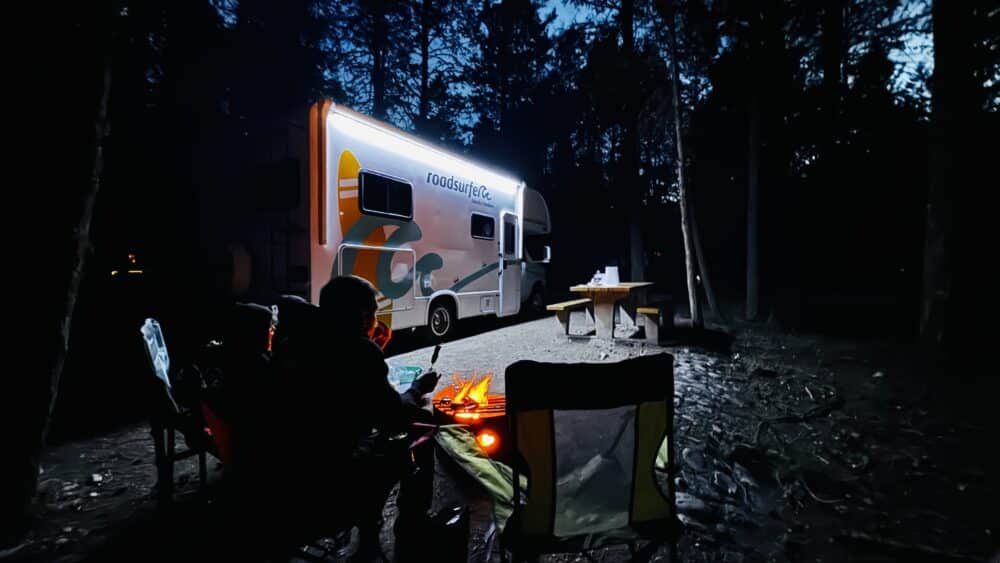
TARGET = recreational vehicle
x,y
440,237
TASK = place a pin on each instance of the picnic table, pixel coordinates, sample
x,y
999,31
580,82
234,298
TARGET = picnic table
x,y
625,296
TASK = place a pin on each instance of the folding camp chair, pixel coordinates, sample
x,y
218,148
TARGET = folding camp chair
x,y
590,438
167,417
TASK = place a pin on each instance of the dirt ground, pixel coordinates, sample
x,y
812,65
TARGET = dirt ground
x,y
790,448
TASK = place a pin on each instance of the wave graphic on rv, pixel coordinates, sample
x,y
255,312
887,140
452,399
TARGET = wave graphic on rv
x,y
472,189
405,232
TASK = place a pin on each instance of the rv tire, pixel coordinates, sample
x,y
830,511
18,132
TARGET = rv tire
x,y
441,320
536,301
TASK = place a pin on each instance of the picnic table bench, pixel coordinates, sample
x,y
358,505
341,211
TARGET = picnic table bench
x,y
657,317
563,310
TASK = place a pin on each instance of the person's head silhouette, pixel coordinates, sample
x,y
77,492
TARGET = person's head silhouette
x,y
348,304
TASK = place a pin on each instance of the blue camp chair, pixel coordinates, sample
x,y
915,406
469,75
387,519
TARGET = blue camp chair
x,y
593,440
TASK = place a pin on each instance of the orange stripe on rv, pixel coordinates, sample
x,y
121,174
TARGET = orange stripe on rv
x,y
349,206
317,166
313,169
349,211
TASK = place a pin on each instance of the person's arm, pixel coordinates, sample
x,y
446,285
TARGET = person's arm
x,y
418,395
394,410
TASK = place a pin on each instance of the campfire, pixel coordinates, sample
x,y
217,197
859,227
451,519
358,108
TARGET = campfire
x,y
468,401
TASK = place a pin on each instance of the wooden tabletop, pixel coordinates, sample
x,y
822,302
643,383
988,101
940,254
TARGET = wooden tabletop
x,y
623,287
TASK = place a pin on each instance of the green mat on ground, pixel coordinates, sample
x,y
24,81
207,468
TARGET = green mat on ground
x,y
497,478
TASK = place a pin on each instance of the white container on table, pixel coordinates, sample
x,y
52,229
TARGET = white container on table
x,y
611,275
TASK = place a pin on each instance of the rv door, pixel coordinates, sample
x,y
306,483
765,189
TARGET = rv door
x,y
510,266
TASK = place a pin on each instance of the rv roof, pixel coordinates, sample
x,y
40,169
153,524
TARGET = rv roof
x,y
403,143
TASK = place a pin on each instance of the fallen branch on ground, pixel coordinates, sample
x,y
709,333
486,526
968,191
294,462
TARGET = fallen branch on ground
x,y
816,498
898,545
815,412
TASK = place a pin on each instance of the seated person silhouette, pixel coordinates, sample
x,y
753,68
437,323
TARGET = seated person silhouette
x,y
341,426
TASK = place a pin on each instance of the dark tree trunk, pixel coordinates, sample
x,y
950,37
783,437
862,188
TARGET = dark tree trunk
x,y
26,451
953,107
832,53
379,46
827,200
706,279
684,203
630,152
753,208
507,32
627,20
425,46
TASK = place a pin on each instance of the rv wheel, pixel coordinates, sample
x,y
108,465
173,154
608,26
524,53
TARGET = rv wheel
x,y
441,321
536,302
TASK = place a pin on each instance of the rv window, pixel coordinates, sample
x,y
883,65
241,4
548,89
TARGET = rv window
x,y
508,239
482,226
385,196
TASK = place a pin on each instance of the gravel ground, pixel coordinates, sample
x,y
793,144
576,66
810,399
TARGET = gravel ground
x,y
540,340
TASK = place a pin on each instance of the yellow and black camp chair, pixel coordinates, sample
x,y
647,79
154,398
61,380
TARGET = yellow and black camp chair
x,y
596,442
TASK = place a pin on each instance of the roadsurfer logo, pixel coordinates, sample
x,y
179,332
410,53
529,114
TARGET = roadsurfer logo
x,y
473,190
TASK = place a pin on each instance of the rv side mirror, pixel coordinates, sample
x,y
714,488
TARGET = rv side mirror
x,y
548,254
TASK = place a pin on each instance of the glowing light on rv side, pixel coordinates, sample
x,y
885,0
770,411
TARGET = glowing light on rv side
x,y
406,148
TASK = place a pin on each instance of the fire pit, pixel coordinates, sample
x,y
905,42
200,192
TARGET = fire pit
x,y
467,401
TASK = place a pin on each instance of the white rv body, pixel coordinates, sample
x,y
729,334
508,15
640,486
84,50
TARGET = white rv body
x,y
458,241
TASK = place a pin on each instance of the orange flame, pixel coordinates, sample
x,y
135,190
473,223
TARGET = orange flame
x,y
464,388
471,391
478,391
468,392
465,399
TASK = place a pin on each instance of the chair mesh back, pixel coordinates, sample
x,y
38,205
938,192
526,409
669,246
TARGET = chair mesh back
x,y
590,436
595,452
159,362
156,350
